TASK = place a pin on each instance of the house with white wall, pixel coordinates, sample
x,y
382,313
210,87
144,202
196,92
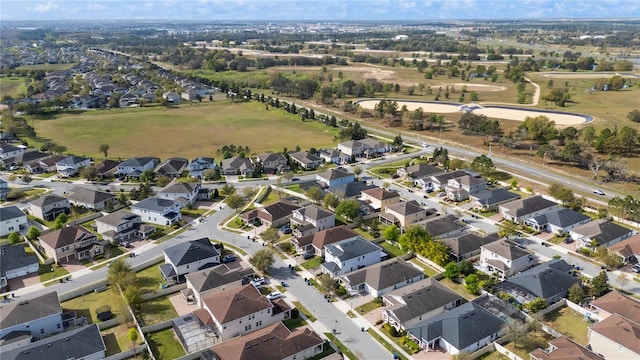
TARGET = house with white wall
x,y
158,211
381,278
12,219
350,255
187,257
39,316
49,206
310,219
71,165
505,258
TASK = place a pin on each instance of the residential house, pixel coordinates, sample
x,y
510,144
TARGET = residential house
x,y
128,99
273,163
521,209
404,214
274,342
15,263
305,160
275,215
442,226
505,258
38,317
440,180
186,193
219,278
417,171
172,167
602,232
465,328
12,219
72,242
310,219
190,95
351,190
237,166
71,165
8,151
335,177
615,337
381,278
422,300
107,168
91,198
363,148
333,156
615,302
379,198
84,343
121,226
158,211
240,311
49,206
466,246
28,159
558,222
46,164
491,199
187,257
198,166
628,250
134,167
4,190
315,243
350,255
171,97
460,188
563,348
549,281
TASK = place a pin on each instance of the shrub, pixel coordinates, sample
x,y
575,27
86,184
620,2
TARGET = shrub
x,y
379,322
295,313
393,332
585,251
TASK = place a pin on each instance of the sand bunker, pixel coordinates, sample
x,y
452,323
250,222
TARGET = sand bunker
x,y
496,112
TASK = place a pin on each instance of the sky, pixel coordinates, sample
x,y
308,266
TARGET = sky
x,y
303,10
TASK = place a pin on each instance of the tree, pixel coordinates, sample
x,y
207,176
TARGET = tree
x,y
466,268
147,176
599,284
228,189
622,279
89,172
391,233
163,181
451,271
234,201
262,260
561,193
517,331
120,274
357,170
327,283
472,284
61,219
270,235
14,237
330,201
634,115
104,148
211,174
414,239
33,233
397,141
133,295
26,178
576,293
314,194
483,164
350,209
536,305
133,336
507,228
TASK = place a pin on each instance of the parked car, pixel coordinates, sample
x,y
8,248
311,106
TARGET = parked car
x,y
598,192
568,240
228,259
274,295
285,229
442,193
295,179
308,256
636,268
259,282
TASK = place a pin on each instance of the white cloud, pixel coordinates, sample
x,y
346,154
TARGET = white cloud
x,y
45,7
408,5
95,7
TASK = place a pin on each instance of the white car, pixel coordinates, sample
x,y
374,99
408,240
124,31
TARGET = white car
x,y
598,192
274,295
636,268
259,282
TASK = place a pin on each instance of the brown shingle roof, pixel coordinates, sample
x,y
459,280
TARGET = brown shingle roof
x,y
274,342
65,236
277,211
326,237
628,247
620,330
565,349
236,303
617,303
506,249
381,194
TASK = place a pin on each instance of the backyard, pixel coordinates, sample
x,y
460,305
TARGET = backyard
x,y
164,345
156,311
570,323
86,305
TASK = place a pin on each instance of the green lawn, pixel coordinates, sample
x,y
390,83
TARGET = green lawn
x,y
86,305
46,273
392,250
191,129
312,263
116,339
428,270
368,307
149,279
570,323
46,67
164,345
295,323
385,343
303,310
535,340
157,310
13,86
459,288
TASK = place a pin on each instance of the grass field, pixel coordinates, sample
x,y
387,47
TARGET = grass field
x,y
86,305
164,345
570,323
157,310
12,86
46,67
185,131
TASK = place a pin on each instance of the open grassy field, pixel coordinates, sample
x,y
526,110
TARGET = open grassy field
x,y
12,86
186,131
47,67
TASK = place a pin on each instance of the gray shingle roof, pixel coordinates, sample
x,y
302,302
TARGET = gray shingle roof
x,y
602,231
118,217
460,327
10,212
335,174
172,166
154,204
468,242
20,312
507,249
383,275
179,188
74,344
72,160
419,298
349,249
561,218
350,189
137,161
405,207
89,196
314,212
494,196
191,251
47,200
527,206
14,257
212,278
441,225
545,280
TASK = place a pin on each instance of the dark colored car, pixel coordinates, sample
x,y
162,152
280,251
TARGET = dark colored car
x,y
228,259
308,256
